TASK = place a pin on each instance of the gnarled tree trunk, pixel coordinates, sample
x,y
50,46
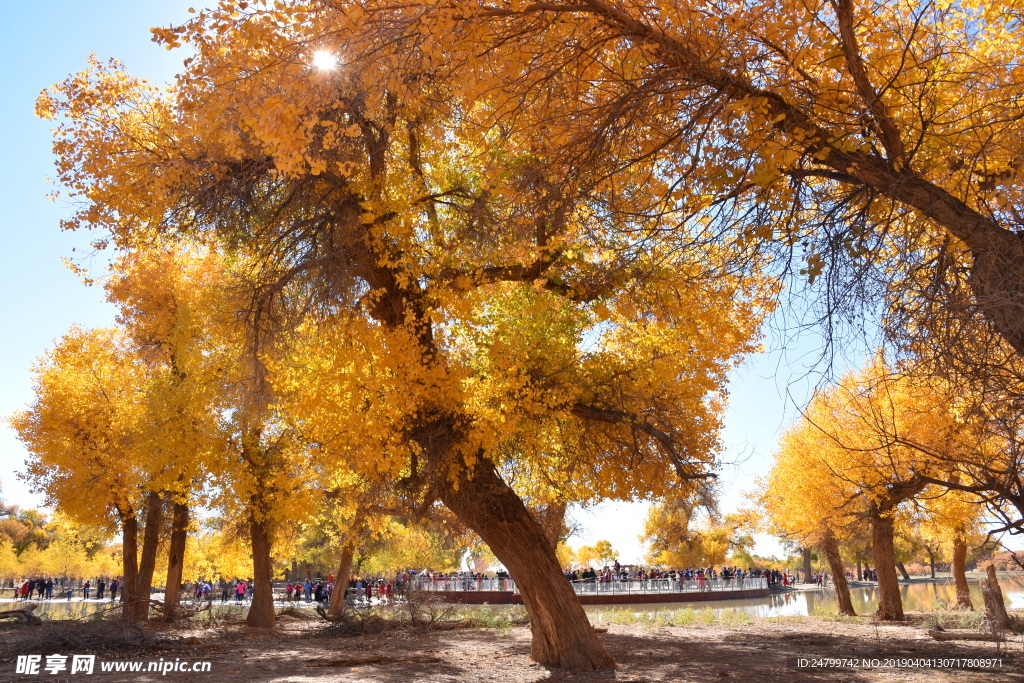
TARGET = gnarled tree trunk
x,y
830,549
963,591
903,570
807,565
890,602
147,558
348,551
129,561
995,608
261,611
562,635
176,559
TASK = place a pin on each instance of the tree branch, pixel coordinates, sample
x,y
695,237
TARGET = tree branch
x,y
884,124
665,441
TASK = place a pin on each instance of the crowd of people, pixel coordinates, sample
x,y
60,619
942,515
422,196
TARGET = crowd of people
x,y
701,577
310,590
383,589
49,588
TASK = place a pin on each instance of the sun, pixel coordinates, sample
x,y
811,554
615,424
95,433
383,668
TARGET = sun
x,y
324,60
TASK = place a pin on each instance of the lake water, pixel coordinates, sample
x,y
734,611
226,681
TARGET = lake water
x,y
916,597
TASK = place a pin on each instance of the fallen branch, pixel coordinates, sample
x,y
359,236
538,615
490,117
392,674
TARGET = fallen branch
x,y
23,614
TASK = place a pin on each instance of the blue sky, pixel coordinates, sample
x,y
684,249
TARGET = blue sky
x,y
41,45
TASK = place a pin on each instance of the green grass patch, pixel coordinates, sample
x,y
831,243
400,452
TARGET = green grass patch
x,y
679,617
955,619
832,614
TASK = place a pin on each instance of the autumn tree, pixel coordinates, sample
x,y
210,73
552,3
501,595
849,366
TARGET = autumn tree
x,y
852,136
472,306
21,529
874,148
34,543
167,303
214,415
987,471
85,433
873,444
218,551
600,553
953,518
690,531
805,503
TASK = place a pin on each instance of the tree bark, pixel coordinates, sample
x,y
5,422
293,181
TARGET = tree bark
x,y
348,551
830,549
903,571
176,559
963,591
931,560
995,608
147,558
807,565
890,602
860,569
261,612
129,562
562,635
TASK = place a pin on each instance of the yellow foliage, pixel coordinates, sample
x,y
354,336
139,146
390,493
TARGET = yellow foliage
x,y
676,539
863,442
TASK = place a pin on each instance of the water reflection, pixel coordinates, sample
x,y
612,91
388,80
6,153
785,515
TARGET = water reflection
x,y
79,609
916,597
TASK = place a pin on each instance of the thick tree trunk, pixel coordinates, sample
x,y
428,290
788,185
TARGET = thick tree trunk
x,y
261,612
830,549
890,602
348,551
562,635
129,562
147,558
807,565
903,571
963,591
995,608
176,559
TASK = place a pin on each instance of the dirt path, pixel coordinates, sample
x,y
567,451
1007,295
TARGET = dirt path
x,y
766,650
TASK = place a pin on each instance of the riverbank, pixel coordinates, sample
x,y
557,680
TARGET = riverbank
x,y
973,577
702,648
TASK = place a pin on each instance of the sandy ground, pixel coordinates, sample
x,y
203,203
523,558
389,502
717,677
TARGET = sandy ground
x,y
766,650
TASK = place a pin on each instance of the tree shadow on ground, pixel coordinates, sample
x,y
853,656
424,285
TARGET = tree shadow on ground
x,y
673,654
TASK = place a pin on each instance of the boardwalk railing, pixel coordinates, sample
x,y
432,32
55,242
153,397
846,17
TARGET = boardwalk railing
x,y
445,583
667,585
595,587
